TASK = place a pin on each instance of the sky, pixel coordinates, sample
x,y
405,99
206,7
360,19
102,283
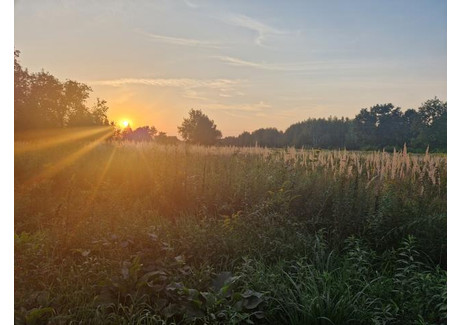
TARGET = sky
x,y
246,64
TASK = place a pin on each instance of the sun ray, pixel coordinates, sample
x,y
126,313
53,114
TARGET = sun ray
x,y
102,176
50,138
67,161
144,159
83,215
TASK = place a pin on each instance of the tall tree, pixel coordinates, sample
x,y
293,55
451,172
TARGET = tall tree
x,y
365,127
76,95
433,120
43,101
141,134
46,107
411,123
21,94
199,129
269,137
381,126
99,112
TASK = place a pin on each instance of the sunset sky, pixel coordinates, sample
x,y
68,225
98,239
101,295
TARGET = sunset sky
x,y
246,64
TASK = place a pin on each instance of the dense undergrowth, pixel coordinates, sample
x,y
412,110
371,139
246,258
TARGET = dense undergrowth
x,y
147,234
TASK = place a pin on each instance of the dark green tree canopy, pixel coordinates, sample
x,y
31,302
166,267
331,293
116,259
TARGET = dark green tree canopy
x,y
199,129
433,124
381,126
141,134
43,101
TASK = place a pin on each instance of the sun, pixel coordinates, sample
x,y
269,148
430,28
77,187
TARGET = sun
x,y
124,124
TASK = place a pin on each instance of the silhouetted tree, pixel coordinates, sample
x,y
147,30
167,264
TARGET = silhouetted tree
x,y
141,134
389,126
318,133
162,138
379,127
433,124
245,139
269,137
76,94
99,112
411,126
126,131
199,129
44,104
42,101
22,87
365,127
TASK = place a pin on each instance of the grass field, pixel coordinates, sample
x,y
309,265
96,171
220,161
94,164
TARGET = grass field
x,y
126,233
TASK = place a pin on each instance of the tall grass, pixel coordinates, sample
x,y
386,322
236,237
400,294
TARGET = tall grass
x,y
298,236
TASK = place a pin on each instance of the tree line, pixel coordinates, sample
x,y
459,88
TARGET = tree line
x,y
143,134
43,101
382,126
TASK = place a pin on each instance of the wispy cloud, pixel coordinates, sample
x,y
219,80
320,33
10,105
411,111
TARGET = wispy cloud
x,y
192,93
308,66
262,30
294,66
200,89
249,64
254,107
168,82
180,41
191,4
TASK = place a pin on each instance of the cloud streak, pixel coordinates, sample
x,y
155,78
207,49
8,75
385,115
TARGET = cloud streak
x,y
310,66
180,41
199,89
191,4
255,107
171,82
249,64
262,30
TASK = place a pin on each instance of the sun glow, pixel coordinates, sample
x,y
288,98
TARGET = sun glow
x,y
124,124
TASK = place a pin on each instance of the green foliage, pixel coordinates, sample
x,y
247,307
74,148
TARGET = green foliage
x,y
199,129
152,234
382,126
433,124
160,292
356,287
42,101
140,134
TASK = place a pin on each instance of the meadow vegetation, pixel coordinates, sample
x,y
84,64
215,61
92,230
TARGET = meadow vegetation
x,y
110,232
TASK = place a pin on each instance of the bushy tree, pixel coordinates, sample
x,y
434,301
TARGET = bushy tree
x,y
141,134
42,101
163,138
199,129
433,124
381,126
45,105
99,112
318,133
269,137
75,95
22,87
